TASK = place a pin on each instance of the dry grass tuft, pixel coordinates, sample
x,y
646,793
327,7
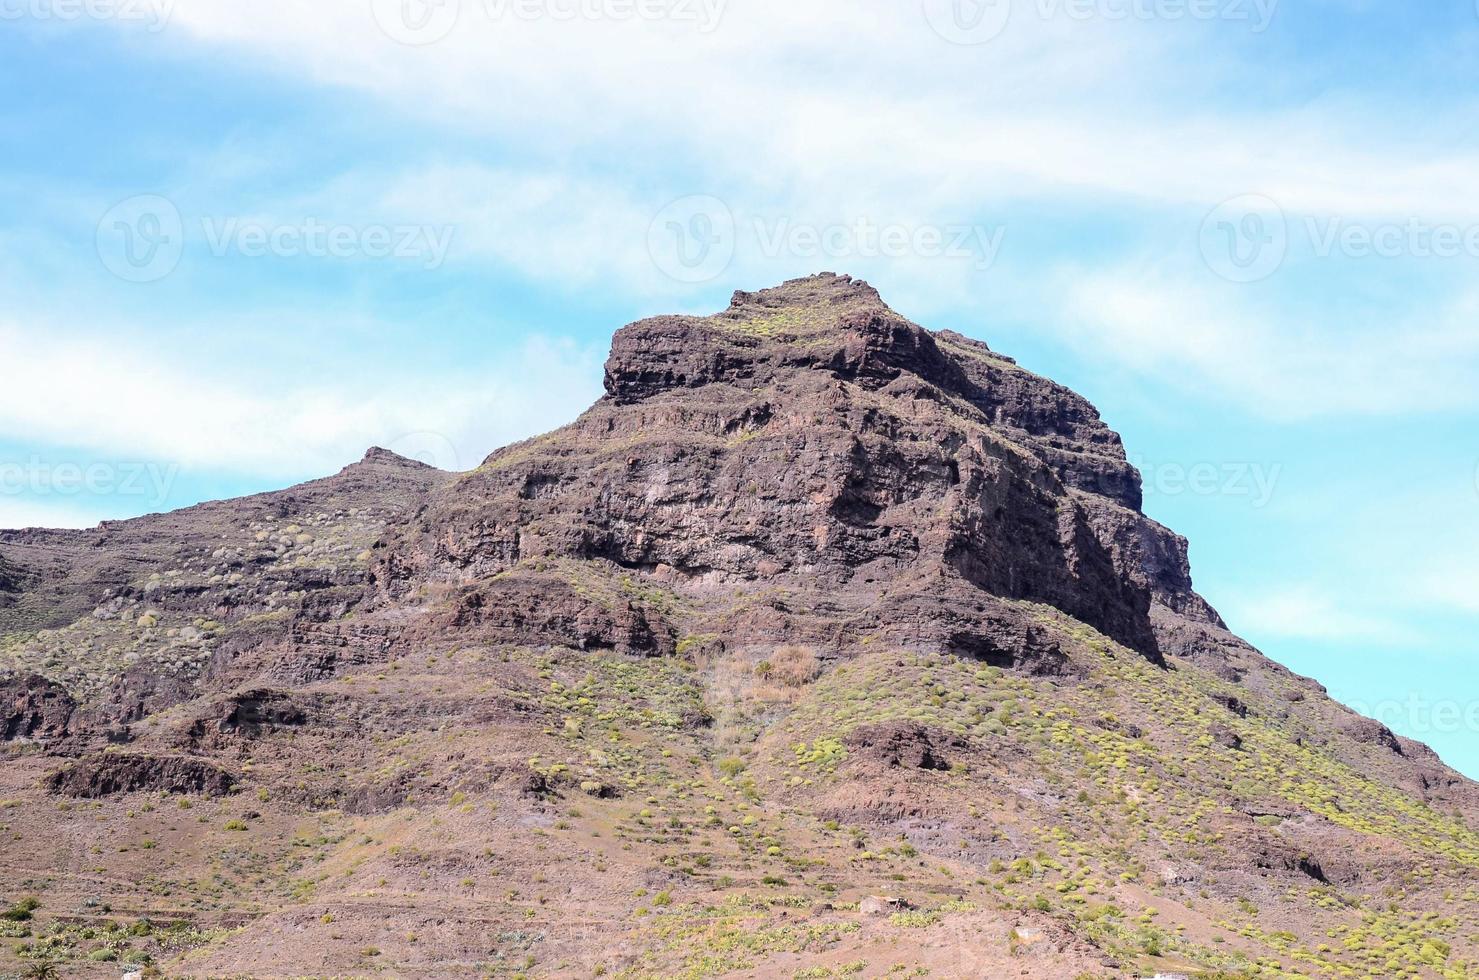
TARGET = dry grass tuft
x,y
794,666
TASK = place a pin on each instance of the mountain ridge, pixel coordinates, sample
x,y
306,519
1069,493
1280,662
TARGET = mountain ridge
x,y
818,628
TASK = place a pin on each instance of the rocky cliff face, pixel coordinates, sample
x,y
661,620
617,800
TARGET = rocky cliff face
x,y
810,439
12,579
135,616
818,629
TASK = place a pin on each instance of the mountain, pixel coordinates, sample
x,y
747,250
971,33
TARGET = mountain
x,y
823,645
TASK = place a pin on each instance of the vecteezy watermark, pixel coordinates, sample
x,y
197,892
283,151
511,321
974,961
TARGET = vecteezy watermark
x,y
39,477
1248,238
316,239
969,21
422,22
1254,481
154,14
1414,238
695,238
704,15
431,448
1245,239
1420,716
142,239
980,21
416,22
865,238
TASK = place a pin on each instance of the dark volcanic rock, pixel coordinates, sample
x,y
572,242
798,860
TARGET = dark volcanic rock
x,y
546,610
968,623
58,576
1149,555
111,773
903,745
34,707
805,560
12,580
250,714
1367,731
810,438
1227,738
1231,703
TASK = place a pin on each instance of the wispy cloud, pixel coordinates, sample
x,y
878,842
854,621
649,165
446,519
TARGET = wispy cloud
x,y
17,513
1184,326
129,401
1051,106
1302,612
1454,587
1097,148
757,104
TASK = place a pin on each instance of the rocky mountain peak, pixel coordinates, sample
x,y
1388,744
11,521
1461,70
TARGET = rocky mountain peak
x,y
376,456
820,292
811,434
815,610
825,322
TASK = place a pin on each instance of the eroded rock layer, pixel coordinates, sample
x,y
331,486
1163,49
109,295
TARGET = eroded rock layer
x,y
822,645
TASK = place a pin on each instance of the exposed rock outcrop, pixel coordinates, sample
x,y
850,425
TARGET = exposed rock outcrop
x,y
814,601
901,744
810,437
250,714
109,773
33,707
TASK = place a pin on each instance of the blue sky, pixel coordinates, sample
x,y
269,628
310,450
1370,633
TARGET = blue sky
x,y
243,240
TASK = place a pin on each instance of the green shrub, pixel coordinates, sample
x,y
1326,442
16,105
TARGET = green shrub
x,y
731,766
21,910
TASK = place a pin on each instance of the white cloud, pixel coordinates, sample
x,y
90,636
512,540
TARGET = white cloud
x,y
821,113
1299,612
15,513
821,98
1454,588
813,112
1188,328
110,396
552,227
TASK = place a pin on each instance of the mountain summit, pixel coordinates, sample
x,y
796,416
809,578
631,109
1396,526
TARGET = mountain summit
x,y
811,440
822,645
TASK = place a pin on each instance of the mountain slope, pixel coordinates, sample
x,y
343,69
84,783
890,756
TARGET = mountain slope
x,y
822,645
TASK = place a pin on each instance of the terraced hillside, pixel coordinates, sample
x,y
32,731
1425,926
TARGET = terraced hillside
x,y
822,646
